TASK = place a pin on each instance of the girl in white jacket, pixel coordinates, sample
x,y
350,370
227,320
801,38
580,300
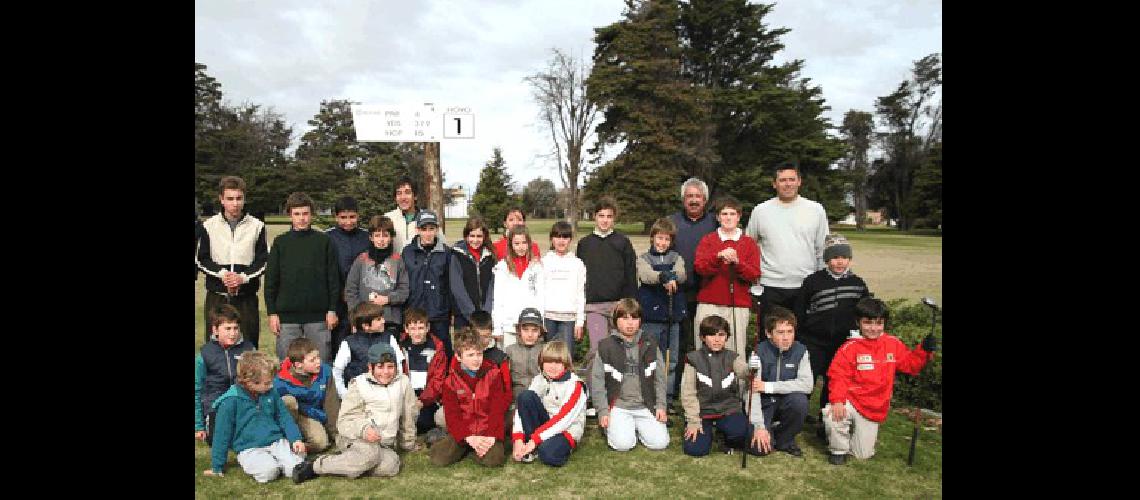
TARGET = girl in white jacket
x,y
518,284
564,278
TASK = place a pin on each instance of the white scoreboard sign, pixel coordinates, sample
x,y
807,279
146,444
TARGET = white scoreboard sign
x,y
411,123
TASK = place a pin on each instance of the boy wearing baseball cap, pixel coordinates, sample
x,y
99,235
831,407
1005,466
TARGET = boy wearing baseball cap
x,y
379,407
524,355
428,261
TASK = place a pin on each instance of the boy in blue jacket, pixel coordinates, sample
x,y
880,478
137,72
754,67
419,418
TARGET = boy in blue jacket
x,y
428,261
215,368
660,271
253,421
303,384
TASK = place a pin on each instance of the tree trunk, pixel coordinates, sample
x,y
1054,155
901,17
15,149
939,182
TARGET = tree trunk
x,y
433,183
860,208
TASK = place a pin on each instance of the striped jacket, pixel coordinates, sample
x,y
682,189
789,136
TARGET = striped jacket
x,y
564,399
825,309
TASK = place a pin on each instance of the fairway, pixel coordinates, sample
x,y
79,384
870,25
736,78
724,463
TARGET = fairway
x,y
893,265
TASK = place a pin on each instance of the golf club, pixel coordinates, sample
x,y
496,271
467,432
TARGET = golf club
x,y
918,411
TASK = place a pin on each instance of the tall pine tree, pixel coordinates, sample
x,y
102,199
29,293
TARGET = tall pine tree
x,y
662,120
493,196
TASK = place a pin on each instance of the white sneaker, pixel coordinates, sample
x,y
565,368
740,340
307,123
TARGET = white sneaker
x,y
528,458
590,412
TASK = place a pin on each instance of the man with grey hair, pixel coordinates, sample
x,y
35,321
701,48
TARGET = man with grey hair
x,y
693,222
790,231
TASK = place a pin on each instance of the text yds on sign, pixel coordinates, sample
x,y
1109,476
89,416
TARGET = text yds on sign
x,y
389,123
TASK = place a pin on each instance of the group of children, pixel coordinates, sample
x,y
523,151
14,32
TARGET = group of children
x,y
496,381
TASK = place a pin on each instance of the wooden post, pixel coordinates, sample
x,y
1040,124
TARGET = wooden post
x,y
433,183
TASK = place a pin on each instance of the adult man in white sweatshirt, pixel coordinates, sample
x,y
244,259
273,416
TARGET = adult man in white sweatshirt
x,y
790,231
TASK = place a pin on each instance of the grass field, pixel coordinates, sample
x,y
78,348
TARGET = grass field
x,y
894,266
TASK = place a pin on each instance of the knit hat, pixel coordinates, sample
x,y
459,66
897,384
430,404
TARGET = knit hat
x,y
530,316
426,217
379,349
836,245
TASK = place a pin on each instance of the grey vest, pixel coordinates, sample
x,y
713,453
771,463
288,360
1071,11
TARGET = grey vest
x,y
612,354
718,389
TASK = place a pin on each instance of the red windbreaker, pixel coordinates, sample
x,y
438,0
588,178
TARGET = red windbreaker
x,y
475,406
863,372
714,272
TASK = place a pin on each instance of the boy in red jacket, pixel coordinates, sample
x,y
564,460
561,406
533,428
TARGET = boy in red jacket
x,y
727,258
861,379
474,404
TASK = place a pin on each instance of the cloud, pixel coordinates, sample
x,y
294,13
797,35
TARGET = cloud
x,y
290,55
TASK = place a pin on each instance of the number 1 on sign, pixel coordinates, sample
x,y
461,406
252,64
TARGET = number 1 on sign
x,y
458,126
464,126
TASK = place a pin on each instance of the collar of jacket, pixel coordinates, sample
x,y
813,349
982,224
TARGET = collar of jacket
x,y
844,274
372,380
286,373
465,250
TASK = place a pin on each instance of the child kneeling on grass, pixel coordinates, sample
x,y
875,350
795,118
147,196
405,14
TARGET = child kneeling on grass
x,y
252,419
303,382
710,394
380,407
627,379
861,381
556,391
474,404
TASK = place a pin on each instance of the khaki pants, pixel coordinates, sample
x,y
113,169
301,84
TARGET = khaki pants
x,y
738,338
446,452
312,432
440,418
358,457
854,434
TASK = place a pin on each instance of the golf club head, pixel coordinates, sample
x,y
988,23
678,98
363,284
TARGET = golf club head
x,y
930,302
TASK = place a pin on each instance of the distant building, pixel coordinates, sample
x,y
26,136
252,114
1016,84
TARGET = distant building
x,y
457,209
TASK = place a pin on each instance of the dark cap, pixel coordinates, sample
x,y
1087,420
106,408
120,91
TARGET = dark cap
x,y
379,349
426,217
530,316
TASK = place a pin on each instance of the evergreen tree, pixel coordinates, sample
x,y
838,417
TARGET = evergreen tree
x,y
492,196
662,120
329,155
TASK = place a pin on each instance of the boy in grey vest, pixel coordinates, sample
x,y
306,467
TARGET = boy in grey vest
x,y
627,378
710,393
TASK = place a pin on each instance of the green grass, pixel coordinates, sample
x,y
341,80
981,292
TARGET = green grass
x,y
594,470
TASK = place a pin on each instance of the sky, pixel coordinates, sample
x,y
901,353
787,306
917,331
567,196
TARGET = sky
x,y
290,55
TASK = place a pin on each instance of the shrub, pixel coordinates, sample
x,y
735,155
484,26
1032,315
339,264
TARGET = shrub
x,y
911,323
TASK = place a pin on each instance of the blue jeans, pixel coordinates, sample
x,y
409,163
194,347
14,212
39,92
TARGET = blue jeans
x,y
561,330
667,336
737,435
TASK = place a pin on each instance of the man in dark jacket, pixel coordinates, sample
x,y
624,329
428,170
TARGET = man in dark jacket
x,y
693,222
428,261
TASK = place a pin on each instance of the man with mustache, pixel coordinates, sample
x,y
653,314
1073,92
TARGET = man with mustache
x,y
693,222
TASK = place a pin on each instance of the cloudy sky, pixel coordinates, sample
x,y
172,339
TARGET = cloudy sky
x,y
291,54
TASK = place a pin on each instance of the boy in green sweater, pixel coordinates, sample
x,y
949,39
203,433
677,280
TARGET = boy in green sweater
x,y
302,284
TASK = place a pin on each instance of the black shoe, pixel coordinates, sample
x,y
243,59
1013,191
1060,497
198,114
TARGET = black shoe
x,y
303,472
668,422
837,459
792,450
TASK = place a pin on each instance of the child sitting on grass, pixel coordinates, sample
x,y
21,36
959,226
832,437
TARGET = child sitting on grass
x,y
475,404
352,356
303,383
253,421
558,392
379,408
